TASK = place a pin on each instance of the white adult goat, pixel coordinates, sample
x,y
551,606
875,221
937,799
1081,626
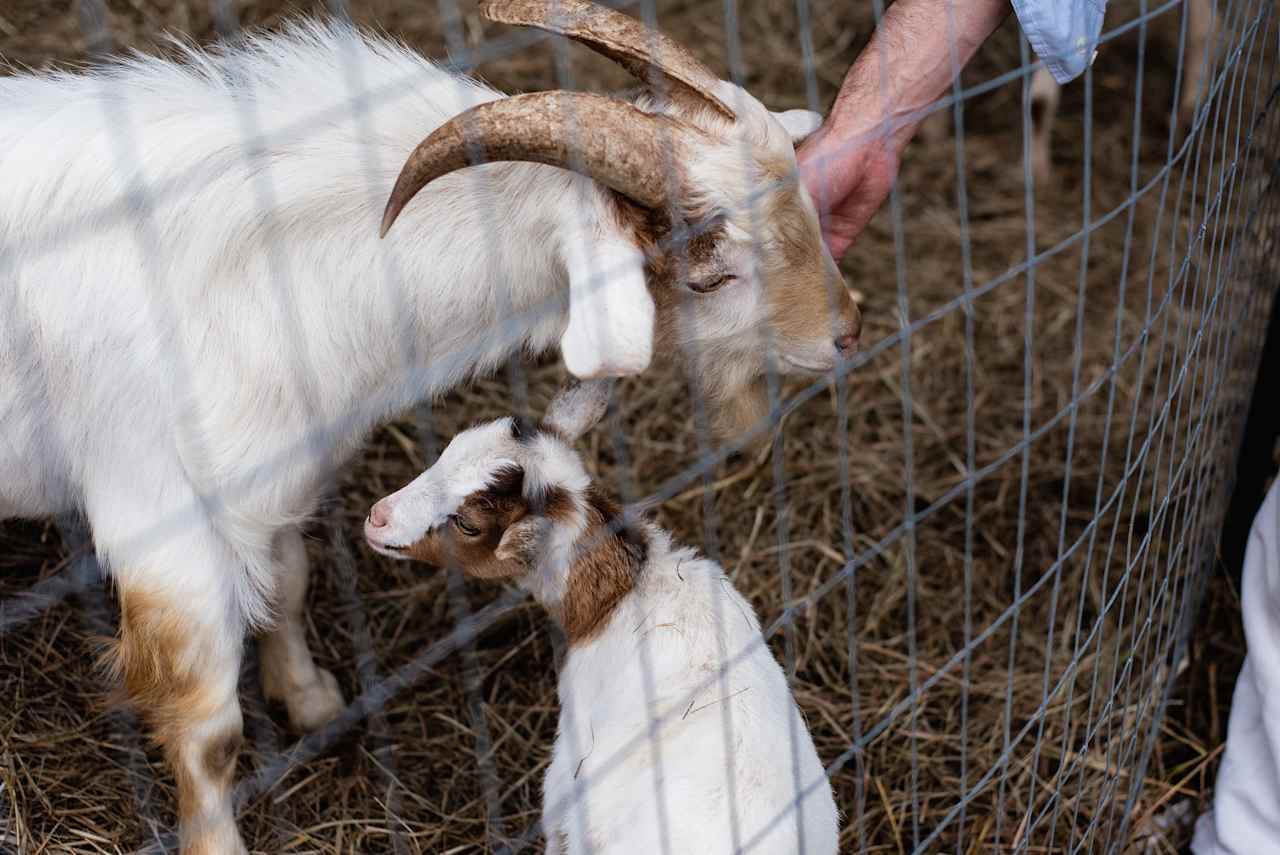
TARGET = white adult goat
x,y
198,320
678,731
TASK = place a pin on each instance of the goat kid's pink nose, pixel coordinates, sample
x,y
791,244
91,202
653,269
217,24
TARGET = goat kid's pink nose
x,y
847,344
380,514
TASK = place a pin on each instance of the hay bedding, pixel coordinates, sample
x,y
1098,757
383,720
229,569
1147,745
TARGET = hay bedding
x,y
77,777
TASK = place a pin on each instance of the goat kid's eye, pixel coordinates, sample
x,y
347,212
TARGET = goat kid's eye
x,y
465,527
706,286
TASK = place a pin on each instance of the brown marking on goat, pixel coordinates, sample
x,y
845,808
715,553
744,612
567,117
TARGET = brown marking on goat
x,y
668,264
609,559
647,227
606,563
149,657
152,657
667,258
217,765
735,409
807,294
220,757
557,505
491,511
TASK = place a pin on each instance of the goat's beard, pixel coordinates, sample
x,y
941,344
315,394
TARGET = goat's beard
x,y
736,400
740,414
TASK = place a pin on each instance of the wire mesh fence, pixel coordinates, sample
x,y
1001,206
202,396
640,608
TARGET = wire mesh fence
x,y
977,548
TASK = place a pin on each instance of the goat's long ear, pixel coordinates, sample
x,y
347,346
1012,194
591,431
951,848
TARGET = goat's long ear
x,y
799,124
522,541
577,408
742,412
611,313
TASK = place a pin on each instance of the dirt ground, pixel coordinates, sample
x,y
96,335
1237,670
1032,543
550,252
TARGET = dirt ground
x,y
1101,627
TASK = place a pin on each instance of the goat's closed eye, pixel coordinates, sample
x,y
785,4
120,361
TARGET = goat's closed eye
x,y
706,286
465,527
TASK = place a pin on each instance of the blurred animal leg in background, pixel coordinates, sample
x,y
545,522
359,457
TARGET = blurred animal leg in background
x,y
1045,95
1196,59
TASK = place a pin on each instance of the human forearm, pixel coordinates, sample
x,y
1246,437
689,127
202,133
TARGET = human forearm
x,y
909,63
850,163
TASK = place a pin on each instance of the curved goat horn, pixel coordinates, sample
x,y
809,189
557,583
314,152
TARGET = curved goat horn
x,y
604,138
628,42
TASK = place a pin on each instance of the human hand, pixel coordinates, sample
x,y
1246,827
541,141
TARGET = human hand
x,y
848,181
849,165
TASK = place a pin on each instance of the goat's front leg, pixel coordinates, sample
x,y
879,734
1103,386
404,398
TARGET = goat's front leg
x,y
1195,58
1045,94
179,655
310,694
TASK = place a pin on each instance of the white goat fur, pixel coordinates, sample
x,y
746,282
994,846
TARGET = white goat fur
x,y
164,223
198,321
677,730
738,744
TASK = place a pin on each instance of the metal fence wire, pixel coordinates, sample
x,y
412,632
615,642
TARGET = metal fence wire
x,y
978,549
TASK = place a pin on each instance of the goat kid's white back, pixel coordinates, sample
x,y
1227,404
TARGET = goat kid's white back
x,y
657,753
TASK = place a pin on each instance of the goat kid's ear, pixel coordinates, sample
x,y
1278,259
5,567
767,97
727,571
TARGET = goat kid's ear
x,y
577,408
799,123
523,540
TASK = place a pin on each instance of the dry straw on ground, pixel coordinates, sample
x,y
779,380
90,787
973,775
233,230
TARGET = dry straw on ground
x,y
76,777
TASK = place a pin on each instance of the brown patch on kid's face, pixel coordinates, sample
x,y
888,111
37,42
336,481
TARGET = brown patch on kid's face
x,y
488,513
469,539
604,569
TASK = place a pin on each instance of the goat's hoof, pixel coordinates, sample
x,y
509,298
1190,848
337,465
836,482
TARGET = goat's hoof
x,y
315,705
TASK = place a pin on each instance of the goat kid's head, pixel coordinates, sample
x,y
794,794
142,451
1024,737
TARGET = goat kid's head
x,y
704,184
505,500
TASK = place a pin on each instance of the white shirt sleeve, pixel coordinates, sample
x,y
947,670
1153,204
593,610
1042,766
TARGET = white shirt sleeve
x,y
1063,33
1245,819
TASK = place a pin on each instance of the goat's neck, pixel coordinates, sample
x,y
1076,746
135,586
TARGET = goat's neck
x,y
594,664
584,580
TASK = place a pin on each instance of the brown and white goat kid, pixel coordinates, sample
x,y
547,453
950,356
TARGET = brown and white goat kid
x,y
678,731
199,322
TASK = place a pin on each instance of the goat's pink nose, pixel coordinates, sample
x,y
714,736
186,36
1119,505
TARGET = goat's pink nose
x,y
847,344
380,514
